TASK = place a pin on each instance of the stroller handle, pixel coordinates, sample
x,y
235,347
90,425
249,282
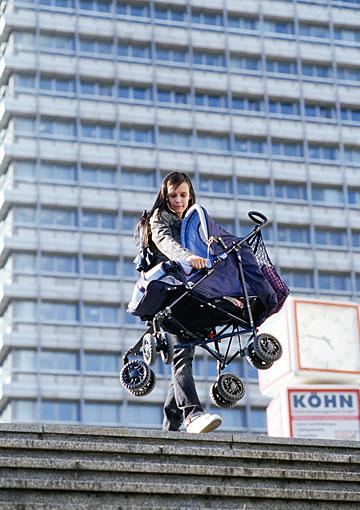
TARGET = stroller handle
x,y
257,217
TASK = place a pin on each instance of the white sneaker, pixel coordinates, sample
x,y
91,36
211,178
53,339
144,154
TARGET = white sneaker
x,y
202,423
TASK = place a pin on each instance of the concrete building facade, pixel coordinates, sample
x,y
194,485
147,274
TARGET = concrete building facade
x,y
257,100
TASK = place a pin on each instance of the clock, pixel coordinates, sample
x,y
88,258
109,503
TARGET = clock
x,y
328,336
320,341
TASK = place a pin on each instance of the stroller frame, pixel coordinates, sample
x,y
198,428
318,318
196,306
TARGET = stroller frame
x,y
228,331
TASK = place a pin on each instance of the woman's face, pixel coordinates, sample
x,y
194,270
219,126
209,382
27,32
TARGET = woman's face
x,y
178,198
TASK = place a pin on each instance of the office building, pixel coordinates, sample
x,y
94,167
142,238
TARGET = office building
x,y
257,100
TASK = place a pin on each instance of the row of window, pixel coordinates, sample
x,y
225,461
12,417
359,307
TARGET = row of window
x,y
210,18
135,93
143,51
135,179
299,280
48,311
181,139
108,363
114,413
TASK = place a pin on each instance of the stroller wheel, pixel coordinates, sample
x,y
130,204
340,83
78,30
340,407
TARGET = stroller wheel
x,y
230,387
149,349
135,375
218,400
147,388
255,361
167,348
267,347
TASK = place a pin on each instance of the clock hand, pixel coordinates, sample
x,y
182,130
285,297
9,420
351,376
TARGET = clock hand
x,y
328,342
322,338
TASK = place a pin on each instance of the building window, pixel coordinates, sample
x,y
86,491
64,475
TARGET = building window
x,y
325,237
169,14
175,55
127,9
212,142
208,59
99,362
281,67
175,138
24,310
250,146
354,197
92,88
136,179
144,415
249,104
59,264
56,127
24,170
100,47
210,100
207,18
352,155
331,196
350,114
255,188
59,411
99,220
132,92
101,314
24,262
100,266
215,185
129,270
348,74
62,312
59,361
316,70
334,282
233,418
355,238
242,23
287,149
246,63
320,111
318,31
300,235
343,34
102,412
57,172
129,222
298,279
258,418
93,175
284,108
133,51
137,135
291,191
58,217
57,42
323,152
279,27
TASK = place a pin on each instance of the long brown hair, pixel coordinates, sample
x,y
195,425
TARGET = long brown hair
x,y
173,180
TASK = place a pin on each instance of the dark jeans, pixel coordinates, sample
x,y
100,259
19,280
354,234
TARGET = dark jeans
x,y
182,399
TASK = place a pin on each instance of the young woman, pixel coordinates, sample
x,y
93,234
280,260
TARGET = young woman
x,y
161,233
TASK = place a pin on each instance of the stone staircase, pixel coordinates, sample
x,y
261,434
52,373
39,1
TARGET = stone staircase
x,y
75,467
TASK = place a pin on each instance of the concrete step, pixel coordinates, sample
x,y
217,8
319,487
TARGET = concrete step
x,y
139,468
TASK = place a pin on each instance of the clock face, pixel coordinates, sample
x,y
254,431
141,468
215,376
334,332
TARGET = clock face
x,y
328,336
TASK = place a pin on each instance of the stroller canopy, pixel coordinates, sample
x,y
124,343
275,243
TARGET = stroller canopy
x,y
196,229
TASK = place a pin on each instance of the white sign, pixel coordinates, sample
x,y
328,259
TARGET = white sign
x,y
324,413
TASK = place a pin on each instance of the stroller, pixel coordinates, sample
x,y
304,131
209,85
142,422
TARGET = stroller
x,y
218,308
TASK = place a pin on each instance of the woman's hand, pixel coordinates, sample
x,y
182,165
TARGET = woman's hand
x,y
196,262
